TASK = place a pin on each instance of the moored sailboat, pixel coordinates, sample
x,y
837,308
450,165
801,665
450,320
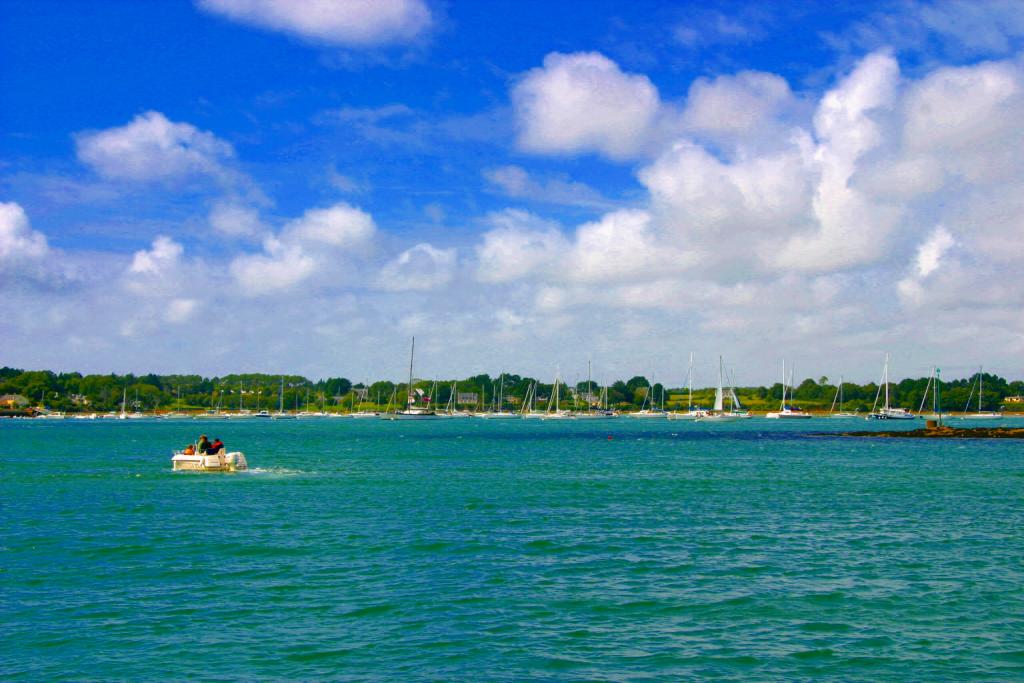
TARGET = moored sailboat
x,y
888,412
786,411
411,411
979,414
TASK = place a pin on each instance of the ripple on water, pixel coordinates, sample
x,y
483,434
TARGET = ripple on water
x,y
394,552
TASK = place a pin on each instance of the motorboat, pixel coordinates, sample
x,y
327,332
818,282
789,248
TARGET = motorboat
x,y
202,462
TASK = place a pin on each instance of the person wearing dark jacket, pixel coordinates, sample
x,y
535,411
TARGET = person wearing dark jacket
x,y
215,447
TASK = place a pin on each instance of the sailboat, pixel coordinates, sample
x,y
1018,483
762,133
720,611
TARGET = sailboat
x,y
719,414
412,411
980,414
529,410
554,412
839,398
499,412
933,386
888,412
280,414
788,412
691,412
648,409
602,413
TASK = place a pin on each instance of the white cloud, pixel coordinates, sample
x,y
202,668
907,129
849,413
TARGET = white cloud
x,y
280,266
180,310
350,23
518,245
850,229
622,245
737,104
151,147
18,241
583,102
931,252
421,267
317,241
236,220
341,225
516,182
164,257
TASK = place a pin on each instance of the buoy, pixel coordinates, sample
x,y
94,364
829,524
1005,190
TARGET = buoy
x,y
609,437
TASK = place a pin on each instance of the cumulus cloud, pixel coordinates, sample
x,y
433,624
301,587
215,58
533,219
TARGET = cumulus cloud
x,y
583,102
347,23
18,241
622,245
151,147
744,108
927,260
280,266
340,225
850,228
233,219
316,241
162,258
421,267
519,244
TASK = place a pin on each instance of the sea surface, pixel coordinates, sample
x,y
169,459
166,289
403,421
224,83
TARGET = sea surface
x,y
471,550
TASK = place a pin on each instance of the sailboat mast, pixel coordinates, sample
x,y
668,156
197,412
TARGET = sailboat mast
x,y
887,382
689,386
590,403
981,378
412,353
783,406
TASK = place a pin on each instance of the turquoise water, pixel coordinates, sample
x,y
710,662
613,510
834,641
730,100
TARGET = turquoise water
x,y
473,550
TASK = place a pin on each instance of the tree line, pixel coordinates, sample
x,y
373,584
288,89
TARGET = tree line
x,y
75,392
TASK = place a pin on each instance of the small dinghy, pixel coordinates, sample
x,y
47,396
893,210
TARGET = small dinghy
x,y
219,462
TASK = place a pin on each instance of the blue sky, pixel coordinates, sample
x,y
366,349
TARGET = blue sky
x,y
262,185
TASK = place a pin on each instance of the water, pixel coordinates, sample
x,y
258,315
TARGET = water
x,y
474,550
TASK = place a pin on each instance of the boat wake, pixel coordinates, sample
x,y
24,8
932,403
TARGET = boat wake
x,y
280,471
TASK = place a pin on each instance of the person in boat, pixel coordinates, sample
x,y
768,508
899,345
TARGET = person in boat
x,y
215,447
189,449
204,444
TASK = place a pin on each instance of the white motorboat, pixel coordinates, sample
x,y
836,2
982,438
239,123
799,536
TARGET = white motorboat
x,y
200,462
721,417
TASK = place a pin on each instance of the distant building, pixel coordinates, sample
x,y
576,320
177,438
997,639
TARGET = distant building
x,y
362,393
1014,399
11,401
468,397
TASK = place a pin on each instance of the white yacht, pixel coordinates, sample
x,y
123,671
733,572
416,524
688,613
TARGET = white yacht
x,y
411,411
719,414
691,413
888,412
785,411
838,399
979,414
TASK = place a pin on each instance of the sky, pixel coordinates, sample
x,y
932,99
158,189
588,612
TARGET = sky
x,y
269,186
